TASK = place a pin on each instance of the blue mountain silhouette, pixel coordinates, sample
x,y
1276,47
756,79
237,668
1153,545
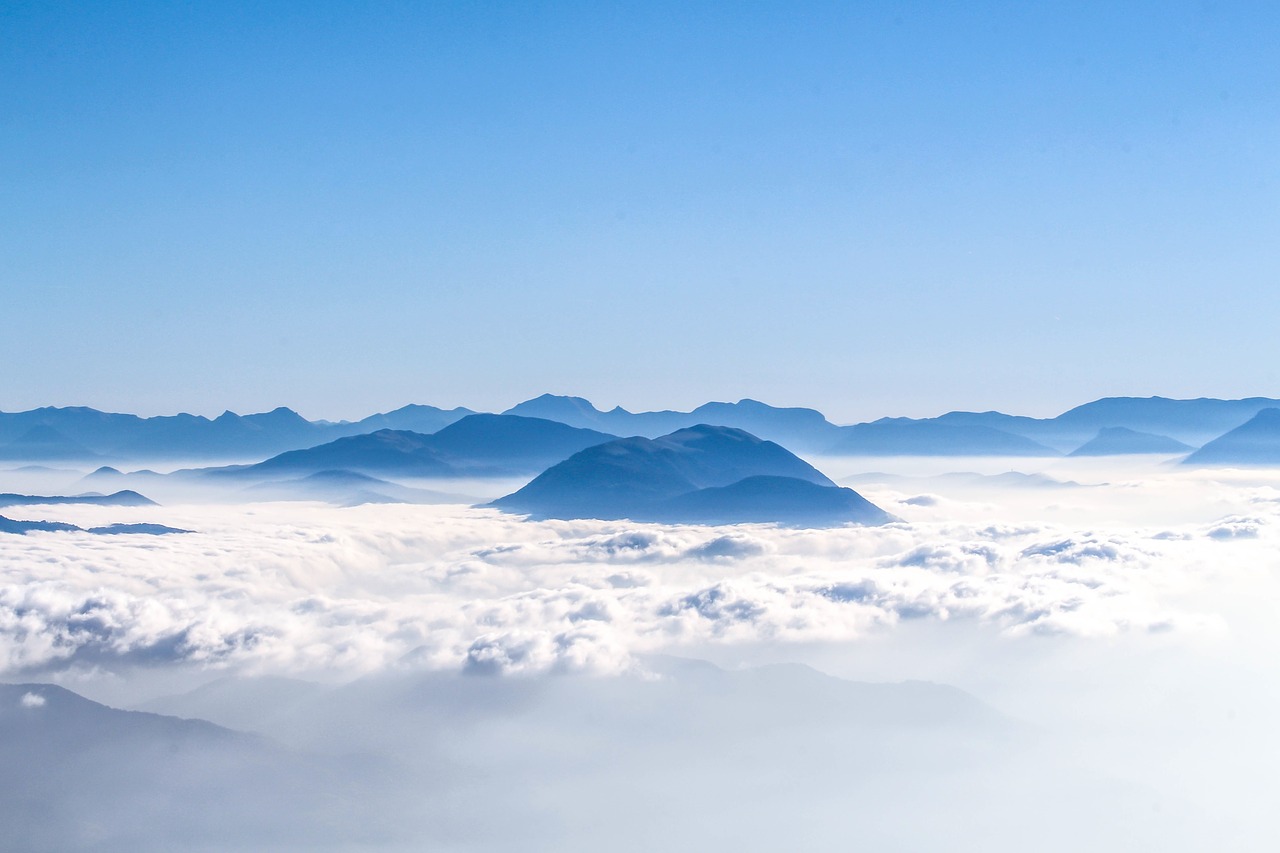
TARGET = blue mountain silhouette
x,y
745,479
1117,441
475,445
1256,442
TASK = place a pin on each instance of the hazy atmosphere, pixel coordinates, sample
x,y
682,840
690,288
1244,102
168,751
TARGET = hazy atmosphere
x,y
573,427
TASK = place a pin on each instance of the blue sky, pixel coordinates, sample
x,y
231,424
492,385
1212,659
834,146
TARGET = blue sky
x,y
871,208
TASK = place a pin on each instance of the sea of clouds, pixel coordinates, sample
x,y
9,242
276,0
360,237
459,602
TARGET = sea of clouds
x,y
303,588
1128,619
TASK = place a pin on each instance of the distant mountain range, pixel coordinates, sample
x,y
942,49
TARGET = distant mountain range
x,y
124,497
701,474
1160,425
79,433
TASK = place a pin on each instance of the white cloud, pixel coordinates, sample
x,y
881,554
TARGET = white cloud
x,y
297,588
32,700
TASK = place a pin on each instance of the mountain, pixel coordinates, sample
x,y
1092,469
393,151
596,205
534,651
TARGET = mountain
x,y
347,488
125,497
12,525
1119,441
663,479
82,433
806,429
412,418
44,442
1190,421
1256,442
79,775
782,500
905,437
476,445
510,443
384,451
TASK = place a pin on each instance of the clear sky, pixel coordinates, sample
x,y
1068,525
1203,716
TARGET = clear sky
x,y
870,208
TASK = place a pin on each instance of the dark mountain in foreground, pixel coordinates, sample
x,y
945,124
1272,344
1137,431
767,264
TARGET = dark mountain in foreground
x,y
780,500
1256,442
124,497
1120,441
703,474
477,445
78,775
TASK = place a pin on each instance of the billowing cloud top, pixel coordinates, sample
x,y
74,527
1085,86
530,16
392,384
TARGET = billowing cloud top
x,y
299,588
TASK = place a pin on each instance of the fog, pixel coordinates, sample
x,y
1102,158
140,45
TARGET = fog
x,y
1077,659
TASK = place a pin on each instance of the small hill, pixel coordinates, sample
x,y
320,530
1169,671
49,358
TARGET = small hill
x,y
125,497
1256,442
744,479
1120,441
12,525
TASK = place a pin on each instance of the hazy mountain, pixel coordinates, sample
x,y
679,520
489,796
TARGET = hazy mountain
x,y
905,437
78,775
408,454
511,443
347,488
660,480
1256,442
46,443
477,445
125,497
1191,421
80,433
1119,441
805,429
412,418
83,433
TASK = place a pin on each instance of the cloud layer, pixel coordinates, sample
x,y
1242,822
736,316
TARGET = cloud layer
x,y
302,588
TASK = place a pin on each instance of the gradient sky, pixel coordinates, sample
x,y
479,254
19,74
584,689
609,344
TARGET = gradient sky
x,y
870,208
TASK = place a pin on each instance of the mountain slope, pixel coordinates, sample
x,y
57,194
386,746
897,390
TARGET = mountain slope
x,y
1256,442
744,479
476,445
1119,441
